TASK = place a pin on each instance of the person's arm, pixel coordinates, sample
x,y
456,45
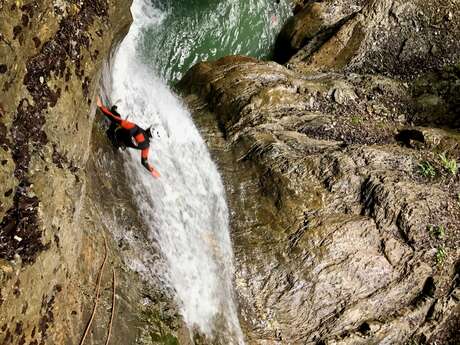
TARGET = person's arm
x,y
145,163
139,137
123,123
107,112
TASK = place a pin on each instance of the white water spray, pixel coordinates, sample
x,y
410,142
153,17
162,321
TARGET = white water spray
x,y
185,210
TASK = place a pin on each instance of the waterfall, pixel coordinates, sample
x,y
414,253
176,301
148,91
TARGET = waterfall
x,y
185,210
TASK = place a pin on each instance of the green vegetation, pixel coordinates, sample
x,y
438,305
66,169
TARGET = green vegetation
x,y
160,327
427,170
356,120
437,231
449,164
167,339
441,255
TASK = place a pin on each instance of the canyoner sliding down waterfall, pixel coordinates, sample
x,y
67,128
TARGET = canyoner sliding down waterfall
x,y
313,199
185,212
123,133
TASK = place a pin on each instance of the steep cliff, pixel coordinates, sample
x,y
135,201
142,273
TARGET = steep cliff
x,y
342,184
62,187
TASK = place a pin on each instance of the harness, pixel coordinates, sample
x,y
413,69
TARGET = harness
x,y
125,138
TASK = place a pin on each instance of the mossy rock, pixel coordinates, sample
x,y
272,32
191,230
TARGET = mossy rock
x,y
165,339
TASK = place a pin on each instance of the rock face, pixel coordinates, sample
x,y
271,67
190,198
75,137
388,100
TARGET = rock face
x,y
393,37
345,208
54,220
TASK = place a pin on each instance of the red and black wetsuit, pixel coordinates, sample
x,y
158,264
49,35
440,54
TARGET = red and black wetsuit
x,y
128,134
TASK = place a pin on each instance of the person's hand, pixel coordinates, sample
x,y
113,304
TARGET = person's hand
x,y
98,102
154,172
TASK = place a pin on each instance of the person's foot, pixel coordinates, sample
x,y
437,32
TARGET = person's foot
x,y
154,172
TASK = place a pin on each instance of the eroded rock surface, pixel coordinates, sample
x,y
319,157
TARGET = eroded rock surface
x,y
345,218
392,37
54,221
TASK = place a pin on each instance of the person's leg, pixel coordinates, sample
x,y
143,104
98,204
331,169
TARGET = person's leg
x,y
119,135
111,134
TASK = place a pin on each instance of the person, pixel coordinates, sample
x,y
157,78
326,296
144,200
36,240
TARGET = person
x,y
123,133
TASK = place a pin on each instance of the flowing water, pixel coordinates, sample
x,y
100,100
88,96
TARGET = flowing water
x,y
185,210
199,30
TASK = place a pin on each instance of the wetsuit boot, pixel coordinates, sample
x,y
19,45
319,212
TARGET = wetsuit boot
x,y
111,134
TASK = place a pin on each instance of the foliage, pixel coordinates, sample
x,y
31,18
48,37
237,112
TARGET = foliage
x,y
167,339
356,120
441,255
427,170
437,231
449,164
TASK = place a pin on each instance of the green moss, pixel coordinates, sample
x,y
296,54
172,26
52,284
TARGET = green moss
x,y
356,120
166,339
160,326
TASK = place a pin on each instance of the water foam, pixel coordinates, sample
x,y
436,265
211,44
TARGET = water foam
x,y
185,210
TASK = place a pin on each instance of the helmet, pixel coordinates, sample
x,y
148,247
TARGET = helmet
x,y
150,131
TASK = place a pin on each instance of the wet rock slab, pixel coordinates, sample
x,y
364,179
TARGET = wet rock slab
x,y
331,214
51,238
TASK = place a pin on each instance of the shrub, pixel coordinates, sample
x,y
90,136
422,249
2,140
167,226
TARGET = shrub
x,y
427,170
441,255
449,164
437,231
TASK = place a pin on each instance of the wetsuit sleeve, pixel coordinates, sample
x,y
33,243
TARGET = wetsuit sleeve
x,y
144,159
111,116
123,123
145,163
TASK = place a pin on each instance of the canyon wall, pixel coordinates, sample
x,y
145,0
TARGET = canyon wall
x,y
63,193
340,174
